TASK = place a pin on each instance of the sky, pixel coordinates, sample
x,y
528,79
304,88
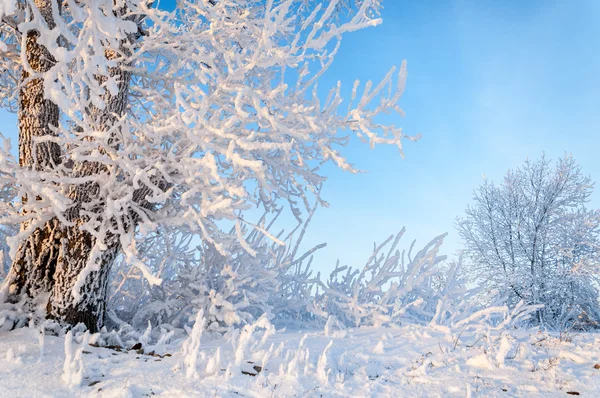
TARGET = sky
x,y
490,84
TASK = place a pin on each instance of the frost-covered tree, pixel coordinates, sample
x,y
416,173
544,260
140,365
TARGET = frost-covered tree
x,y
134,119
533,239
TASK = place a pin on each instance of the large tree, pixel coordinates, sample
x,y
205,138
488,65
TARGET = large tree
x,y
133,118
532,238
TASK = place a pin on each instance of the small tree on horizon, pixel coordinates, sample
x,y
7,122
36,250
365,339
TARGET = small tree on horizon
x,y
532,239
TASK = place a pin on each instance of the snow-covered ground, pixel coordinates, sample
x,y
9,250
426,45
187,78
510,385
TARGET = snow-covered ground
x,y
410,361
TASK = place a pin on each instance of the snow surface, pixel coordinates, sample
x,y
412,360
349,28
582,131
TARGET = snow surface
x,y
408,361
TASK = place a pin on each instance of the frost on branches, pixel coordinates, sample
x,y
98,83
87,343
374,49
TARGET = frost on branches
x,y
279,281
532,238
395,287
265,277
385,289
134,120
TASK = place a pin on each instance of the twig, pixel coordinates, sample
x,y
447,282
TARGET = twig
x,y
457,338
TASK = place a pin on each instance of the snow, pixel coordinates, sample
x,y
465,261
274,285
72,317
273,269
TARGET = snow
x,y
417,361
191,347
7,7
73,366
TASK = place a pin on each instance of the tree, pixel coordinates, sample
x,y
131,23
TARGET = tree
x,y
133,118
532,239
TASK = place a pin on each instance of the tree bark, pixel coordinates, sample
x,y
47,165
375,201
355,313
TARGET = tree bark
x,y
32,271
58,263
77,249
89,308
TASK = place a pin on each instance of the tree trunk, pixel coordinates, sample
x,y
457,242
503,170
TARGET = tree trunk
x,y
88,305
32,271
57,263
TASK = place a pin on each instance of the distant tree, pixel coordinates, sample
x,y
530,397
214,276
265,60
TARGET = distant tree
x,y
532,238
133,119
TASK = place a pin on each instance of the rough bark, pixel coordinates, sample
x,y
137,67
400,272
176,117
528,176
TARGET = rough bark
x,y
56,258
91,306
77,249
34,265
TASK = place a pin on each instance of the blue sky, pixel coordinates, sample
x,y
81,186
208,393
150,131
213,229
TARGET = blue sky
x,y
490,83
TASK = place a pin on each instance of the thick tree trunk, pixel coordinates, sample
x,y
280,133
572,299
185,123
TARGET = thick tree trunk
x,y
88,306
59,263
32,271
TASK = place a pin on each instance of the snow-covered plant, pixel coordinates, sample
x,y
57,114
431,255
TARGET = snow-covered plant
x,y
191,346
73,365
532,239
499,317
390,287
243,345
134,301
41,332
453,300
261,277
245,340
322,370
395,287
133,118
296,362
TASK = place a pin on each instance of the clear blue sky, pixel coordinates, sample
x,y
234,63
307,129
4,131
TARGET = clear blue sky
x,y
490,83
